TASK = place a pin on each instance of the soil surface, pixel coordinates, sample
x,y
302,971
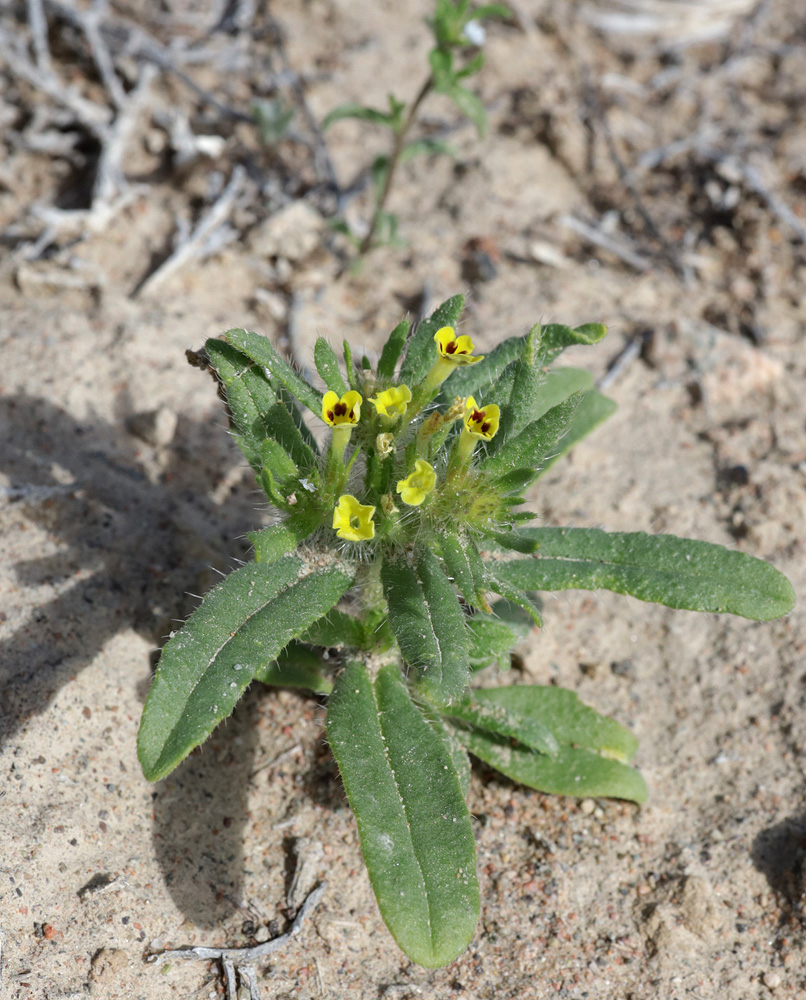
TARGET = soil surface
x,y
654,182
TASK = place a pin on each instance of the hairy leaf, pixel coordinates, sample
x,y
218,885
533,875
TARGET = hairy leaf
x,y
593,410
477,380
261,350
277,541
422,353
296,667
327,364
413,823
240,627
573,771
392,350
536,443
463,565
504,720
556,337
338,628
572,722
677,572
257,412
428,624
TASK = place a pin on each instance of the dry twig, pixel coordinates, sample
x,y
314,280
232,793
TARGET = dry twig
x,y
238,960
195,244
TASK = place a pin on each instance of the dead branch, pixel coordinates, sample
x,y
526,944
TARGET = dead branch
x,y
194,244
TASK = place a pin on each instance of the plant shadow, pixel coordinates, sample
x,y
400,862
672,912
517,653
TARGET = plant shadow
x,y
779,853
131,537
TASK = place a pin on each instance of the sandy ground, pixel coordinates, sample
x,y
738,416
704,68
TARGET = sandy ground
x,y
112,519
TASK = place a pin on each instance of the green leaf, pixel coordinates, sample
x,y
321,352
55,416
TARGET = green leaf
x,y
273,543
338,628
477,380
463,565
472,66
429,625
558,385
491,10
592,411
422,352
349,366
527,382
535,444
392,350
459,758
260,349
240,627
413,823
504,720
678,572
572,772
570,720
296,667
352,110
470,105
429,146
503,586
256,411
557,337
496,634
327,364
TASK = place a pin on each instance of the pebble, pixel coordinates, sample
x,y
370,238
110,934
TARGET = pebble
x,y
771,980
587,806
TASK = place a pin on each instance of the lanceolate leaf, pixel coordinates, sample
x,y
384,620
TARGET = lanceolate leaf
x,y
338,628
429,625
327,364
297,667
463,565
474,380
241,626
677,572
536,443
261,350
496,634
557,337
593,410
277,541
502,585
422,353
557,386
413,823
256,410
572,722
572,772
392,350
495,717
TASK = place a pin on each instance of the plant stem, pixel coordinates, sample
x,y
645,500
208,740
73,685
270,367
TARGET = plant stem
x,y
394,159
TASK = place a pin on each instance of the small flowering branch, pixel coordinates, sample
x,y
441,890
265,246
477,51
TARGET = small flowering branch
x,y
401,566
457,28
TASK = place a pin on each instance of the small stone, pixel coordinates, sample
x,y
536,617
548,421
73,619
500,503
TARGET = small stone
x,y
547,254
771,980
587,806
155,427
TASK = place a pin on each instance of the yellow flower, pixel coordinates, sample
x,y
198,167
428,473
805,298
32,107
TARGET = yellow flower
x,y
481,422
353,520
458,350
416,487
392,402
346,410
